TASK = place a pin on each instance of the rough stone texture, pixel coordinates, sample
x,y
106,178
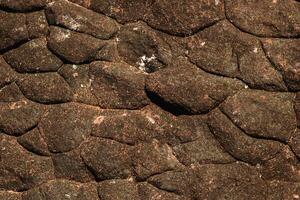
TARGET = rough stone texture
x,y
149,100
19,116
45,87
265,18
190,89
118,85
107,159
33,56
66,126
118,190
19,169
287,60
184,17
142,47
80,19
224,50
25,5
72,46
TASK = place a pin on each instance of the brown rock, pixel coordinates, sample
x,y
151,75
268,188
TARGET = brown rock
x,y
184,89
224,50
7,74
70,166
265,18
143,48
37,24
24,5
9,195
77,77
283,190
20,169
295,142
14,30
231,181
18,117
76,18
149,192
262,114
107,159
34,142
238,144
10,93
45,88
66,126
153,158
72,46
62,189
33,56
284,54
118,190
185,17
118,85
122,11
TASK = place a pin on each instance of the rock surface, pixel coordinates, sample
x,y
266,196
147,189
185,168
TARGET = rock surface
x,y
149,100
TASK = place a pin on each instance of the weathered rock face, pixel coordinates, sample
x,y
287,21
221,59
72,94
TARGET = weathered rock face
x,y
265,18
118,85
45,88
72,46
33,56
149,100
73,17
189,89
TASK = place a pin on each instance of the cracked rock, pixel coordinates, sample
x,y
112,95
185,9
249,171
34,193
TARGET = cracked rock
x,y
45,88
66,126
19,169
153,158
184,17
265,18
107,159
186,89
118,85
262,114
72,46
18,117
76,18
118,190
33,56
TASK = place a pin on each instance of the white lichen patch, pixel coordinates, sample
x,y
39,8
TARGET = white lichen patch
x,y
98,120
150,119
296,196
217,2
63,35
255,50
202,44
70,22
144,60
274,1
68,196
74,66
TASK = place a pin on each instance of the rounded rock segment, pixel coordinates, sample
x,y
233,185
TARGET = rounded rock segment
x,y
24,5
62,189
118,85
107,159
185,17
19,169
33,56
18,117
224,50
72,46
287,60
265,18
77,18
66,126
262,114
45,88
185,89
